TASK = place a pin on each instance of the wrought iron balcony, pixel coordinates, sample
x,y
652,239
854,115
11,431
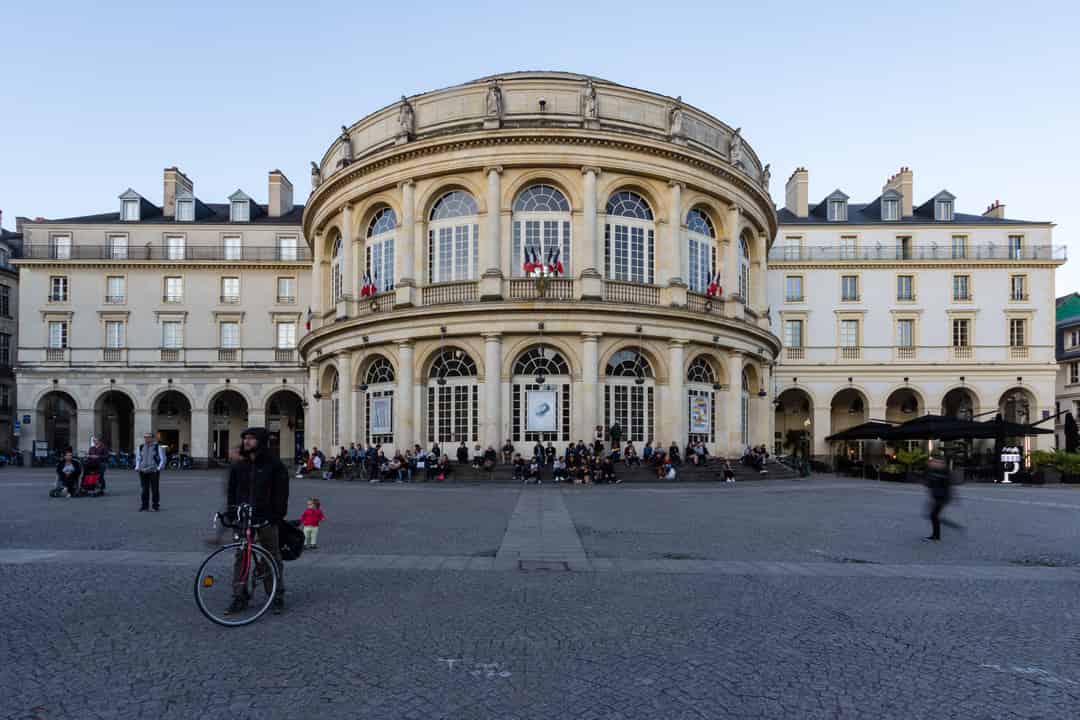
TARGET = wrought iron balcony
x,y
159,251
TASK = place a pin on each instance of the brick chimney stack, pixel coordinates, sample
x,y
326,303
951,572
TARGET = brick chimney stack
x,y
281,194
903,182
175,181
995,210
797,193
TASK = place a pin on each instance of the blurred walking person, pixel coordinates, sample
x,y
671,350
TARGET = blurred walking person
x,y
939,484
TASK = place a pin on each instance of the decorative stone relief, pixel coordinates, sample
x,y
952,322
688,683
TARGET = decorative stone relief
x,y
316,175
589,103
766,175
735,149
406,122
346,147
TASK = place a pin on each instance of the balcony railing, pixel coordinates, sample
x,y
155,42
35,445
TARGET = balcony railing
x,y
112,355
1018,352
698,303
1018,297
284,355
631,293
853,352
905,353
56,354
450,293
963,352
286,299
170,354
794,298
885,252
229,355
230,299
554,289
115,299
379,303
795,353
154,251
172,298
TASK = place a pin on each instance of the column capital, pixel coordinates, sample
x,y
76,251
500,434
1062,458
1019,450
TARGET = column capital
x,y
406,183
676,184
346,207
497,169
586,169
677,342
404,342
492,335
593,336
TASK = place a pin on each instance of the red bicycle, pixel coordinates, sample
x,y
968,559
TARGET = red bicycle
x,y
228,584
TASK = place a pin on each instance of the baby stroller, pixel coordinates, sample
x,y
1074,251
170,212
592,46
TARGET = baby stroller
x,y
90,484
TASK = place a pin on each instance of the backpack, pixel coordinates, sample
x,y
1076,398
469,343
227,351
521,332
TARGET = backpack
x,y
290,540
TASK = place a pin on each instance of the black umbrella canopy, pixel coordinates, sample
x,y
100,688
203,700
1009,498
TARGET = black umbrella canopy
x,y
1004,428
872,430
939,427
1072,433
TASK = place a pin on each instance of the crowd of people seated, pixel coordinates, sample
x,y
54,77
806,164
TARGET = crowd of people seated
x,y
755,457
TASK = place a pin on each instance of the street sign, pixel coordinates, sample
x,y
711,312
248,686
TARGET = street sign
x,y
25,419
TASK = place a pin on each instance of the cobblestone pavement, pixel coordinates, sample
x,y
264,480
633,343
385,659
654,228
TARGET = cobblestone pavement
x,y
768,600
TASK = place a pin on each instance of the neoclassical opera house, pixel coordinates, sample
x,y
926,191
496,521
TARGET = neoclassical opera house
x,y
532,255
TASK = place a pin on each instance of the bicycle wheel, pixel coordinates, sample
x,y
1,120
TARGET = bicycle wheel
x,y
227,573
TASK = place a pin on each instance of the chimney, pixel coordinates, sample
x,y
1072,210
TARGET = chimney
x,y
175,181
281,202
996,210
903,182
797,193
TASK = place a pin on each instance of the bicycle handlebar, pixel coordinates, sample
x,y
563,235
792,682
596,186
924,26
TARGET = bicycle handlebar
x,y
240,518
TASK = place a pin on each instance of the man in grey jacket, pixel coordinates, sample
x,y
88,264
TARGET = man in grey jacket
x,y
149,462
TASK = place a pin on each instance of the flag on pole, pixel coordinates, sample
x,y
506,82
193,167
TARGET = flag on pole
x,y
714,286
554,264
309,316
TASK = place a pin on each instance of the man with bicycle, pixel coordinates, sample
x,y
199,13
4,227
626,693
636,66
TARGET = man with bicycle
x,y
262,481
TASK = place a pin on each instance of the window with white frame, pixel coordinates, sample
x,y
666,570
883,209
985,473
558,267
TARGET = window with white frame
x,y
905,287
5,301
744,270
231,247
793,288
849,288
172,334
174,289
130,212
61,247
115,289
849,333
629,239
286,247
1018,288
1016,247
118,247
1073,338
58,288
793,333
943,210
540,228
239,211
58,334
286,335
230,289
337,270
837,210
379,249
174,247
890,209
1017,332
185,210
961,288
5,349
115,335
849,247
286,290
903,247
229,334
454,238
905,333
701,243
379,425
453,398
792,247
961,333
959,247
1074,373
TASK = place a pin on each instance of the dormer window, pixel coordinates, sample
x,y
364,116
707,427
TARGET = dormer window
x,y
837,211
185,210
943,211
890,209
239,211
131,210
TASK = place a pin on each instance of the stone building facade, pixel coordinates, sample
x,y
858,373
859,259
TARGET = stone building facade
x,y
890,309
10,246
180,318
444,203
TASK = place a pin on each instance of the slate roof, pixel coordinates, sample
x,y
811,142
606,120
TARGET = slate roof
x,y
214,214
1068,308
870,214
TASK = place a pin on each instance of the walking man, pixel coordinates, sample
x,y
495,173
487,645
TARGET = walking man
x,y
939,485
150,463
261,480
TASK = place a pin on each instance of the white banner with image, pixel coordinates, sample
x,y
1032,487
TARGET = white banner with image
x,y
700,415
541,410
380,416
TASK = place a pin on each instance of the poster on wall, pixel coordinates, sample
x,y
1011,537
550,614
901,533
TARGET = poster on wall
x,y
700,415
381,410
541,410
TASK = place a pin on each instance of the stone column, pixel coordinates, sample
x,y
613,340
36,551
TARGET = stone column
x,y
404,248
676,262
84,427
348,258
821,429
346,390
730,272
731,407
256,417
200,436
761,418
142,425
758,287
592,285
491,243
590,367
492,382
676,414
317,308
313,412
404,432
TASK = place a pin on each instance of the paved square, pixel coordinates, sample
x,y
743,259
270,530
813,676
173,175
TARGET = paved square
x,y
813,599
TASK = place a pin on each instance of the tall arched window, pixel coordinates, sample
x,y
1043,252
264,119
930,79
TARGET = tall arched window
x,y
701,400
701,239
629,239
379,402
379,249
744,409
541,224
540,398
453,238
744,270
335,410
336,270
629,397
453,412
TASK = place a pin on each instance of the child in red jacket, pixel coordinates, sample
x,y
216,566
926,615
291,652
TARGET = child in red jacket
x,y
310,520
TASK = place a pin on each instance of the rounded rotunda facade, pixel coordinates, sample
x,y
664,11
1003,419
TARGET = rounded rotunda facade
x,y
535,255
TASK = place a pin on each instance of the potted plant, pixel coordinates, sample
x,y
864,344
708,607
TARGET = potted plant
x,y
892,472
1042,462
1068,465
914,459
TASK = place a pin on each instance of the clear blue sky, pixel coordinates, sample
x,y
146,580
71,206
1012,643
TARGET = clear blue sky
x,y
982,98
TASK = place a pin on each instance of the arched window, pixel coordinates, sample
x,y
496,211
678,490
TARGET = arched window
x,y
744,270
629,398
453,238
379,249
744,407
336,270
701,239
540,397
334,408
453,412
541,227
629,239
701,400
379,402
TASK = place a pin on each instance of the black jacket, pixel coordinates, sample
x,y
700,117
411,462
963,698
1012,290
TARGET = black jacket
x,y
261,480
938,481
75,475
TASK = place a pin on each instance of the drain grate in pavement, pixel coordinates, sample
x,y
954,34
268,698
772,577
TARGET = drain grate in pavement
x,y
543,566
